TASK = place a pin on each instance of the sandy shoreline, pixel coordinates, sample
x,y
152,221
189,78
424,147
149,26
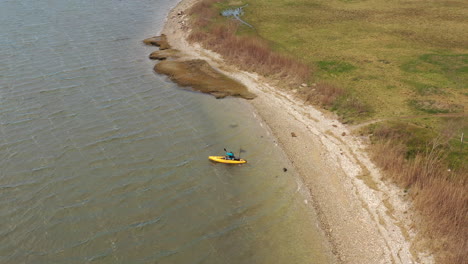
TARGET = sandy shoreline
x,y
366,220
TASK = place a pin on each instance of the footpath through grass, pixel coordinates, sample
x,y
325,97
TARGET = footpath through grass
x,y
365,60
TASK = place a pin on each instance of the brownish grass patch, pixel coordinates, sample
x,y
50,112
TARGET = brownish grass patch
x,y
439,194
324,94
200,76
248,52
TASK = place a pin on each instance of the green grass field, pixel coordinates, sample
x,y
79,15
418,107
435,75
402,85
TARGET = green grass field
x,y
392,54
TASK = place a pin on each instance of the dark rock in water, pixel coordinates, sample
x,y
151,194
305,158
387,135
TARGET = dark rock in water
x,y
159,41
285,170
200,76
164,54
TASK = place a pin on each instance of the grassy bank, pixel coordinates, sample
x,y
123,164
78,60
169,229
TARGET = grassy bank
x,y
432,169
242,47
402,63
400,57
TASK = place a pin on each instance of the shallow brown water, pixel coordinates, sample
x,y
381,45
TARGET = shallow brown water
x,y
103,161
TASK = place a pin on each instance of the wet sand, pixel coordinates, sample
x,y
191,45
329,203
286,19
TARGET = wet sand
x,y
366,220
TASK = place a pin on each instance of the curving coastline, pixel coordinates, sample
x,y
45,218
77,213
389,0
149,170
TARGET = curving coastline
x,y
366,220
194,73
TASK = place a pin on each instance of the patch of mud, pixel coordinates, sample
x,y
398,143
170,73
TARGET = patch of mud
x,y
158,41
196,74
165,54
199,75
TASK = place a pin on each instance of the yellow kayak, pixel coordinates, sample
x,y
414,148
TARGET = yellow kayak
x,y
223,159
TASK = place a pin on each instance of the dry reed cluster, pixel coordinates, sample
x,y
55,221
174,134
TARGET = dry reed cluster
x,y
439,195
336,98
248,52
324,94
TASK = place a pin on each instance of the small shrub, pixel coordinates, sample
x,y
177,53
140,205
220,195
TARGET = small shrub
x,y
354,106
202,13
324,94
198,36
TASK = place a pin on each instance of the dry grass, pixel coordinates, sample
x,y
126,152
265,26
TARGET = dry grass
x,y
248,52
439,194
324,94
200,76
348,106
204,13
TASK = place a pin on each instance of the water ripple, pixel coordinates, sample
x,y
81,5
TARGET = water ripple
x,y
101,160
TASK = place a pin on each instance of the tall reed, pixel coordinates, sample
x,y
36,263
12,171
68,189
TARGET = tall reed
x,y
248,52
439,194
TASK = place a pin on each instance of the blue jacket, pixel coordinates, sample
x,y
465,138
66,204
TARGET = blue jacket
x,y
230,155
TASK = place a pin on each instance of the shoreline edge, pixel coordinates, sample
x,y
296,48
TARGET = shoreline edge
x,y
365,219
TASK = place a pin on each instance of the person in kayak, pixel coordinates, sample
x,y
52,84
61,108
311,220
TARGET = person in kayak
x,y
230,155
